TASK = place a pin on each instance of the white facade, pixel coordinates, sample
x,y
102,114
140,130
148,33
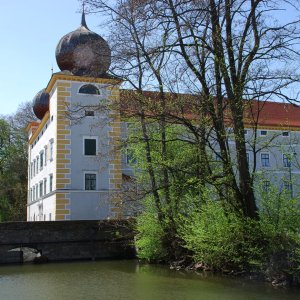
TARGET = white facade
x,y
66,181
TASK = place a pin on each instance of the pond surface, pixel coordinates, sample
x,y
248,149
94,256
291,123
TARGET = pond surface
x,y
126,280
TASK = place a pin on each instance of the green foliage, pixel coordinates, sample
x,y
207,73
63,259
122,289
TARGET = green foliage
x,y
13,172
149,240
201,217
280,224
220,238
223,240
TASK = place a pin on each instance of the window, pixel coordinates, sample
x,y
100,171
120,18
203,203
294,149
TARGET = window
x,y
286,160
41,160
41,189
46,155
285,133
90,146
51,149
33,193
89,113
265,159
130,157
248,157
34,167
263,132
45,186
245,132
37,165
89,89
36,192
31,196
218,156
90,181
49,216
266,185
50,182
31,170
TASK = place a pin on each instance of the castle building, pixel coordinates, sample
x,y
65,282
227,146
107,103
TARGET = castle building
x,y
74,161
74,172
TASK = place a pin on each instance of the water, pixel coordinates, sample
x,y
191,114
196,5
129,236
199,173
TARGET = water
x,y
125,280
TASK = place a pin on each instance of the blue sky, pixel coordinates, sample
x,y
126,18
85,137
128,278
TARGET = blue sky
x,y
30,31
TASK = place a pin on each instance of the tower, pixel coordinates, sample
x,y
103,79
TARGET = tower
x,y
73,158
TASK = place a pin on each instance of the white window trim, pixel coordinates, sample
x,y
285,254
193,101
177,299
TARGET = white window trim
x,y
51,153
89,138
51,189
269,159
289,159
45,186
90,172
285,136
86,83
263,134
45,154
42,152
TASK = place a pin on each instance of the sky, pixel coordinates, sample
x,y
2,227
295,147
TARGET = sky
x,y
29,33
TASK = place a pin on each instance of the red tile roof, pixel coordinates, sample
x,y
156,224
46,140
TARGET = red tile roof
x,y
266,114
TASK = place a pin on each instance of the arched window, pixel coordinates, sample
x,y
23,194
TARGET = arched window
x,y
89,89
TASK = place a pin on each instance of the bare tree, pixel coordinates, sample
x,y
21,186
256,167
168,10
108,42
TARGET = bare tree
x,y
229,54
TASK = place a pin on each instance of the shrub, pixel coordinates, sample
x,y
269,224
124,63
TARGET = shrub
x,y
280,224
221,239
150,237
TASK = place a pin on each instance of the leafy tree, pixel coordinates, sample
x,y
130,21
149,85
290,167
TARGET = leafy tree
x,y
13,164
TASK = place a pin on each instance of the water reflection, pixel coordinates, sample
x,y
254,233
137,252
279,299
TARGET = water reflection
x,y
125,280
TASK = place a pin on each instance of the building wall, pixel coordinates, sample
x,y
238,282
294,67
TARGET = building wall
x,y
42,206
275,146
68,127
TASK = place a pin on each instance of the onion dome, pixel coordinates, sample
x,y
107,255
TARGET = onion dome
x,y
83,52
41,104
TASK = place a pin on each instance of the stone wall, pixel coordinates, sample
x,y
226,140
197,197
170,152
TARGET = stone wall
x,y
68,240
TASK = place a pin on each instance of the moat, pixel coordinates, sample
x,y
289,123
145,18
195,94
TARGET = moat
x,y
126,279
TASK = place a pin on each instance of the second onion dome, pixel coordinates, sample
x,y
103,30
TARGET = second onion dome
x,y
83,52
41,104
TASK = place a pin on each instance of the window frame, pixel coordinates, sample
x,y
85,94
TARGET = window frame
x,y
46,154
286,160
89,113
51,142
285,136
45,186
42,157
265,159
50,183
218,157
41,189
266,186
261,131
83,146
84,180
89,94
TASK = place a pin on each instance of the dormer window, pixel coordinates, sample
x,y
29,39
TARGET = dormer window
x,y
89,89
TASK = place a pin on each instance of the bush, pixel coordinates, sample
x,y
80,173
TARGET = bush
x,y
280,224
225,241
221,239
150,237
